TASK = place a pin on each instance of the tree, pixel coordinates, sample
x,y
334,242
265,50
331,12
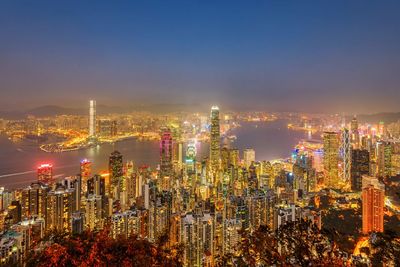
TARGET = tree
x,y
293,244
99,249
385,248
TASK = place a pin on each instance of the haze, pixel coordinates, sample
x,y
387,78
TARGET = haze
x,y
340,56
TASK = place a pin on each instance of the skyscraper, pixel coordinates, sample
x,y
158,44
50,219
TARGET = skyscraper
x,y
373,197
346,156
33,200
331,158
214,139
359,167
355,135
45,173
115,167
384,158
85,172
92,119
249,156
166,152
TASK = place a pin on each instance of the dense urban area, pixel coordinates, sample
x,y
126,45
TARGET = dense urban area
x,y
333,201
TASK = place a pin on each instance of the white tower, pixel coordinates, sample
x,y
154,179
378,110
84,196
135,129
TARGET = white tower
x,y
346,155
92,118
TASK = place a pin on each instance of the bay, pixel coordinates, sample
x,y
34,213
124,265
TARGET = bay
x,y
18,161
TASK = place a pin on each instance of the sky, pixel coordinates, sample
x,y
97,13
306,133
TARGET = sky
x,y
316,56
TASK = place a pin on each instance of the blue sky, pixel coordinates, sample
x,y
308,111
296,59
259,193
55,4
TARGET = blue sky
x,y
338,56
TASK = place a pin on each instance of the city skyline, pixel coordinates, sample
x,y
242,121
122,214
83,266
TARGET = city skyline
x,y
321,57
199,133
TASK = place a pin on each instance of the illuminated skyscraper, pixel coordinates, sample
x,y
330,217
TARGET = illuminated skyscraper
x,y
92,119
384,158
191,157
93,212
45,173
346,156
214,139
166,170
59,209
373,197
33,200
86,167
331,159
249,156
355,135
115,167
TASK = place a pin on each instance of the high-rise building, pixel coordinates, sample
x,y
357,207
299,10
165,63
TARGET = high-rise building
x,y
59,208
85,172
45,173
33,200
331,159
384,158
373,197
166,153
115,167
197,235
125,224
359,167
96,186
92,119
355,135
190,161
249,156
94,212
214,139
346,156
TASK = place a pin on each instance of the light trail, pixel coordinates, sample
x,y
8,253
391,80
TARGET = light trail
x,y
16,174
34,171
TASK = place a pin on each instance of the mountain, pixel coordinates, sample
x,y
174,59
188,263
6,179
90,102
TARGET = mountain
x,y
387,117
52,110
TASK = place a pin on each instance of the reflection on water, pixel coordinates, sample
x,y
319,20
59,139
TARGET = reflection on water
x,y
270,140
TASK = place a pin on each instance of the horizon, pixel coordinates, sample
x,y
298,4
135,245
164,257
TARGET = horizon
x,y
173,107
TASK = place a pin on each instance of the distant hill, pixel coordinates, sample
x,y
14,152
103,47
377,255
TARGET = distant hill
x,y
387,117
52,110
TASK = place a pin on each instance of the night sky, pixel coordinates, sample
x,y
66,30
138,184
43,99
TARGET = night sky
x,y
341,56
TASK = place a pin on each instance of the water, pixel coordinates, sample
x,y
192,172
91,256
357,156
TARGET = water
x,y
18,161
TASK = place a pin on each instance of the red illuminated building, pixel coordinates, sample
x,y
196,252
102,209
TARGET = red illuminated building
x,y
45,173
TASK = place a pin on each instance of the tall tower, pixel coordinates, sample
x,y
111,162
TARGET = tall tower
x,y
214,139
166,152
115,166
373,197
384,158
331,159
346,156
85,171
355,135
92,118
359,167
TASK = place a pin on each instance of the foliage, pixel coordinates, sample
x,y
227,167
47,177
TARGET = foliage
x,y
99,249
385,249
294,244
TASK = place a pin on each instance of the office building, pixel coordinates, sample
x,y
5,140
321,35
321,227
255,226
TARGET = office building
x,y
373,202
214,139
331,159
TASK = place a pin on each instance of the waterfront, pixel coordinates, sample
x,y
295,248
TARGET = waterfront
x,y
18,161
